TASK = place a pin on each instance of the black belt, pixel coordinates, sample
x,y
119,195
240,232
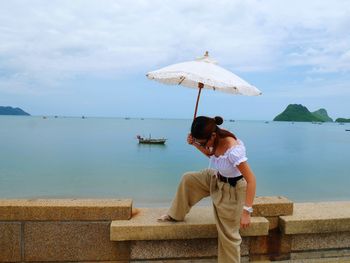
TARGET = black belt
x,y
231,180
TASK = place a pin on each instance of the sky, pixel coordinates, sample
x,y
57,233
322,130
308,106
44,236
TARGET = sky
x,y
90,57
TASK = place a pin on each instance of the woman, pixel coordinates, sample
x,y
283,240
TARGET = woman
x,y
229,182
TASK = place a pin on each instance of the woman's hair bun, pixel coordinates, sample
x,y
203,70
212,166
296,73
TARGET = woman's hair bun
x,y
218,120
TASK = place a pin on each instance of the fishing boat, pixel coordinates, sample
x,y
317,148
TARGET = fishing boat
x,y
150,140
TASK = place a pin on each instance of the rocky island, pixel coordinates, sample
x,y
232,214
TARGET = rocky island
x,y
12,111
342,120
298,112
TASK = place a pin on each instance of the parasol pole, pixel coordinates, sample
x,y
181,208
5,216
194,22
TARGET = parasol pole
x,y
200,87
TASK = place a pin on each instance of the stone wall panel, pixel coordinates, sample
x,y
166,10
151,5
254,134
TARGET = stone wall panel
x,y
71,241
320,241
192,248
10,242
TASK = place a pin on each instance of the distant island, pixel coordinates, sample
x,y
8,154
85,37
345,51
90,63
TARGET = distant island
x,y
12,111
342,120
298,112
323,115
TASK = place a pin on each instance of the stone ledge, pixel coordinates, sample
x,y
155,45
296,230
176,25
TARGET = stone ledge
x,y
199,223
323,217
64,209
269,206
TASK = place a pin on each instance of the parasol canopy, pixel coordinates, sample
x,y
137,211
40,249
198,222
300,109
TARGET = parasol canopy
x,y
204,73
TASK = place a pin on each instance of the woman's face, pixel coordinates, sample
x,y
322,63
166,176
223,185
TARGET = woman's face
x,y
206,143
211,140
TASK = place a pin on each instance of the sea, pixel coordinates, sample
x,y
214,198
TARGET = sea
x,y
71,157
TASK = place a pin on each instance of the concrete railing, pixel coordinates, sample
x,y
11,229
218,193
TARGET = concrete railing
x,y
196,237
62,230
81,230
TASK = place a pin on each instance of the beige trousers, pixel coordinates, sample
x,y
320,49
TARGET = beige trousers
x,y
228,204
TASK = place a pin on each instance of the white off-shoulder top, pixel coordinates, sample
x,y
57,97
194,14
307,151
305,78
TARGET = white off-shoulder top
x,y
226,164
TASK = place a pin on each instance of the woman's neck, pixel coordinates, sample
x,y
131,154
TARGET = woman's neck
x,y
223,145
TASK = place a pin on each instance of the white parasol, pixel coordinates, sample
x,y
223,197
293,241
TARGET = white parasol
x,y
203,73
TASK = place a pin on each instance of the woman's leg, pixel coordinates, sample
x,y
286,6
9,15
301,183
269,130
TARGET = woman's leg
x,y
229,240
193,187
228,203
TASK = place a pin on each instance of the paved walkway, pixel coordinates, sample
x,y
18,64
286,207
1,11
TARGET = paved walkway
x,y
323,260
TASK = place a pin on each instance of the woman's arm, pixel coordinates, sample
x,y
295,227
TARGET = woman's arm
x,y
249,176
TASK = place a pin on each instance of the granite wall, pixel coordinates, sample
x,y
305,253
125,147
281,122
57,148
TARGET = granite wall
x,y
64,230
79,230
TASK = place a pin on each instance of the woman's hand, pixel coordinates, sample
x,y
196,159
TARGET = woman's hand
x,y
190,139
245,219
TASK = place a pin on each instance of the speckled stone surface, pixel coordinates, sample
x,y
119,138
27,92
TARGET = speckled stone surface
x,y
320,217
71,241
163,249
274,246
343,255
320,241
246,259
273,222
202,260
268,206
199,223
65,209
192,248
113,261
301,259
10,242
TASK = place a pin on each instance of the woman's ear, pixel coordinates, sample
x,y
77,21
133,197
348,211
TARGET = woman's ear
x,y
213,135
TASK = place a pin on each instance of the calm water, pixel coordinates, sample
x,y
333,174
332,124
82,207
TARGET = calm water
x,y
100,157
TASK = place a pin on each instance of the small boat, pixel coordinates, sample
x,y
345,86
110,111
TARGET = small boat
x,y
231,120
150,140
347,130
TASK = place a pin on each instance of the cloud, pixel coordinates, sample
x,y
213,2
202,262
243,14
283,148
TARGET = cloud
x,y
43,42
313,88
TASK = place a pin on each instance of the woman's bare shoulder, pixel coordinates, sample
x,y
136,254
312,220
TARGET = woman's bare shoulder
x,y
231,142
